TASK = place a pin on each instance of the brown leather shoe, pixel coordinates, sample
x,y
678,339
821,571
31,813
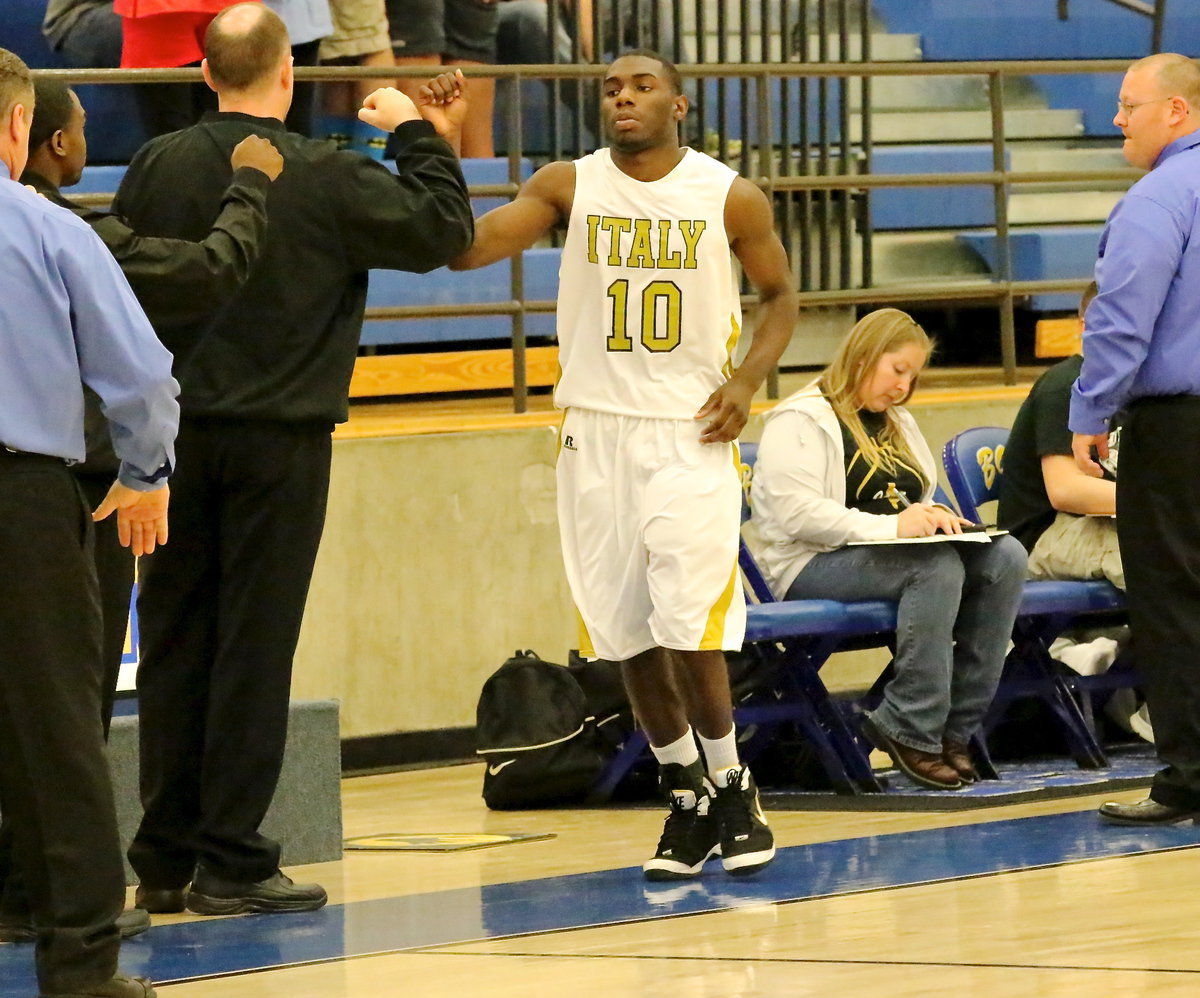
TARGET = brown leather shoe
x,y
924,768
957,755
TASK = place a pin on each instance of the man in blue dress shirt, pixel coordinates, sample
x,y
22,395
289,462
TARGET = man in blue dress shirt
x,y
67,316
1141,352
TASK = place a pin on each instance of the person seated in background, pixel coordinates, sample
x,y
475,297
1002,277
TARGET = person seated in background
x,y
86,33
450,33
523,39
360,37
163,34
1065,519
842,462
308,22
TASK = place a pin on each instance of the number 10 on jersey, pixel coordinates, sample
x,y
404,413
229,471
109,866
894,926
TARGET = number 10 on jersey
x,y
660,316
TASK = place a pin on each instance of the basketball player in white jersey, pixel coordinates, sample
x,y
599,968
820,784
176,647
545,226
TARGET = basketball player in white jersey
x,y
648,488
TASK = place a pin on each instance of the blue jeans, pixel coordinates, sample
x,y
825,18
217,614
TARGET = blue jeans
x,y
956,607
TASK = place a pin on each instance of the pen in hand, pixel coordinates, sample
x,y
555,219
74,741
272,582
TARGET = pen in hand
x,y
923,520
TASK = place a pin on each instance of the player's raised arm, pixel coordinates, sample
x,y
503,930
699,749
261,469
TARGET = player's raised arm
x,y
543,204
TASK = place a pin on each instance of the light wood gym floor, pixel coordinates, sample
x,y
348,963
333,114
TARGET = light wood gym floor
x,y
1030,899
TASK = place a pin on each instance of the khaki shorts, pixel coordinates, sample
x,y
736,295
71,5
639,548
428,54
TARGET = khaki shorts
x,y
1078,547
360,27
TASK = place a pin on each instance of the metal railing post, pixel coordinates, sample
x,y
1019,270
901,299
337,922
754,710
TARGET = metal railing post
x,y
517,274
1008,336
865,223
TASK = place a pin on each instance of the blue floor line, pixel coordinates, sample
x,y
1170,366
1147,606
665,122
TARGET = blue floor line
x,y
205,948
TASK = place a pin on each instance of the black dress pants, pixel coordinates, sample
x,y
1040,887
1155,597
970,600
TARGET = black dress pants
x,y
114,566
114,571
1158,527
54,784
219,611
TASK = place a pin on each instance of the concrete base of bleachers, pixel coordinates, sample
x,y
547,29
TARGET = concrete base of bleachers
x,y
306,815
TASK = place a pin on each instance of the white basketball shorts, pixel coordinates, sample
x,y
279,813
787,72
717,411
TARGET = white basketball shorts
x,y
649,518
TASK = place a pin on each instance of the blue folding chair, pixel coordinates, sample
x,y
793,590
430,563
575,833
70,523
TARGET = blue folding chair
x,y
864,624
795,638
974,463
792,639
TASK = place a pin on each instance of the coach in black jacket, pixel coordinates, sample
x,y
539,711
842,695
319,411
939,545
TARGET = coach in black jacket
x,y
264,379
174,280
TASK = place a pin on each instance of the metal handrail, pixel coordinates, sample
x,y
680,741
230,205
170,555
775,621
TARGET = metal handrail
x,y
562,71
1002,290
1157,12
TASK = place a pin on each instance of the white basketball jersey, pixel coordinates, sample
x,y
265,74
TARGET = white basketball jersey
x,y
648,304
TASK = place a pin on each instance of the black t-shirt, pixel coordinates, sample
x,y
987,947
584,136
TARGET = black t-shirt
x,y
1040,430
874,489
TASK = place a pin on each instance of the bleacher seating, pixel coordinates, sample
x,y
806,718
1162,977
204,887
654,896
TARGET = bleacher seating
x,y
389,288
796,637
974,465
1043,253
441,287
932,207
981,29
114,130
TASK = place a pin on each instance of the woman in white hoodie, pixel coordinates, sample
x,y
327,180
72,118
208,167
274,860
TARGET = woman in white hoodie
x,y
842,461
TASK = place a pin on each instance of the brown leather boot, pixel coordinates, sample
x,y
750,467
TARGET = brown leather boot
x,y
924,768
957,755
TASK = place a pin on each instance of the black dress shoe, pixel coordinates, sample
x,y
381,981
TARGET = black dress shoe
x,y
1146,812
130,922
160,901
117,986
211,895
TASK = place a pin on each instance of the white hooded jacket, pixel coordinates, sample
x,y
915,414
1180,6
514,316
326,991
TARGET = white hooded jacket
x,y
798,494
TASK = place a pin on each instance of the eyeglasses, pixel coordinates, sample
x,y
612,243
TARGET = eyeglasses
x,y
1128,108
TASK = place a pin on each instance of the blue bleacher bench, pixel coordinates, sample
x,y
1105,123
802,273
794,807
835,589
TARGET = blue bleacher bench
x,y
1043,253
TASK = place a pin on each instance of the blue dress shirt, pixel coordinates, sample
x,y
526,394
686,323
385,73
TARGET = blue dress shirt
x,y
306,20
1142,331
67,315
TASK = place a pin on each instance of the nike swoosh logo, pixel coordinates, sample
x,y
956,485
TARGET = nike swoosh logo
x,y
494,769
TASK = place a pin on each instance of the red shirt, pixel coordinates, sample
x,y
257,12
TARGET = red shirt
x,y
162,33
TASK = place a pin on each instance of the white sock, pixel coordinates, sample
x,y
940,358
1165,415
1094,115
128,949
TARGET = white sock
x,y
720,756
681,752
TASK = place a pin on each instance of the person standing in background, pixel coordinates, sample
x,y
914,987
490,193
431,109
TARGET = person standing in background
x,y
86,33
67,318
264,381
1141,354
173,280
160,34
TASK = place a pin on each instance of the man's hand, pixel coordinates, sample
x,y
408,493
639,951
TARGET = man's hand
x,y
259,153
443,103
1081,447
141,516
729,408
386,108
